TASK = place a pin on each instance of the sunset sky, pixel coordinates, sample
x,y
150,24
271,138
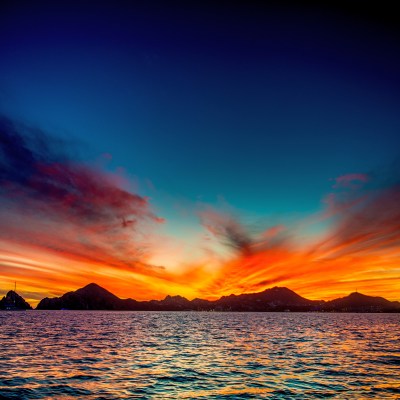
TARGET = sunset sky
x,y
199,150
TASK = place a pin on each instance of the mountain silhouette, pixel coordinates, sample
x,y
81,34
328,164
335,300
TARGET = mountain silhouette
x,y
175,303
94,297
275,299
13,301
90,297
358,302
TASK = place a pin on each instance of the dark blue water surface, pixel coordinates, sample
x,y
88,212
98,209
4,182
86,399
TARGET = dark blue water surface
x,y
196,355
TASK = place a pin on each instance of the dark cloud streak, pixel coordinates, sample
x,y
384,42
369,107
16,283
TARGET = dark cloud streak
x,y
49,199
32,167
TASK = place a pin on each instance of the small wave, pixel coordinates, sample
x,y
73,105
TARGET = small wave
x,y
389,360
210,356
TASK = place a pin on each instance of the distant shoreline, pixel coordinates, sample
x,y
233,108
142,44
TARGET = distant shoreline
x,y
93,297
214,311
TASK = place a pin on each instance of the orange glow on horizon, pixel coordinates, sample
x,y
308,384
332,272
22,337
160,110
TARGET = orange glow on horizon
x,y
315,275
70,224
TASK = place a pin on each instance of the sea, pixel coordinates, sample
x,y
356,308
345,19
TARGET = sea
x,y
198,355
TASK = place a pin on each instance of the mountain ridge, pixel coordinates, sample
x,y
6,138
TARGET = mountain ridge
x,y
94,297
13,301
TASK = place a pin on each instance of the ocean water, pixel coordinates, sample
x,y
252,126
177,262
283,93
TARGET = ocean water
x,y
196,355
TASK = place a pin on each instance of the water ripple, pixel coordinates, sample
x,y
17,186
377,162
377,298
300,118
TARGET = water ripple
x,y
189,355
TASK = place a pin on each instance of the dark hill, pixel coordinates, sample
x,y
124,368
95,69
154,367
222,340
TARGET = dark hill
x,y
13,301
90,297
357,302
275,299
94,297
175,303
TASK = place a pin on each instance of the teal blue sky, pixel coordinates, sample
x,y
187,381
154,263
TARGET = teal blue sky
x,y
256,108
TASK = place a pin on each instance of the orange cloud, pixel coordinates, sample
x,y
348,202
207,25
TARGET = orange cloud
x,y
65,224
360,250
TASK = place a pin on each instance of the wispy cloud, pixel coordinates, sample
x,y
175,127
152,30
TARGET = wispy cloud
x,y
360,242
65,222
52,202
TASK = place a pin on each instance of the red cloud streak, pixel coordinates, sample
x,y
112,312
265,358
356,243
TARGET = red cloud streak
x,y
65,223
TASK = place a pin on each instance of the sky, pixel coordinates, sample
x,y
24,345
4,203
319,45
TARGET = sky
x,y
199,149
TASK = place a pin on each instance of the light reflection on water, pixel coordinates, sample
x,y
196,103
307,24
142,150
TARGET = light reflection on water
x,y
192,355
